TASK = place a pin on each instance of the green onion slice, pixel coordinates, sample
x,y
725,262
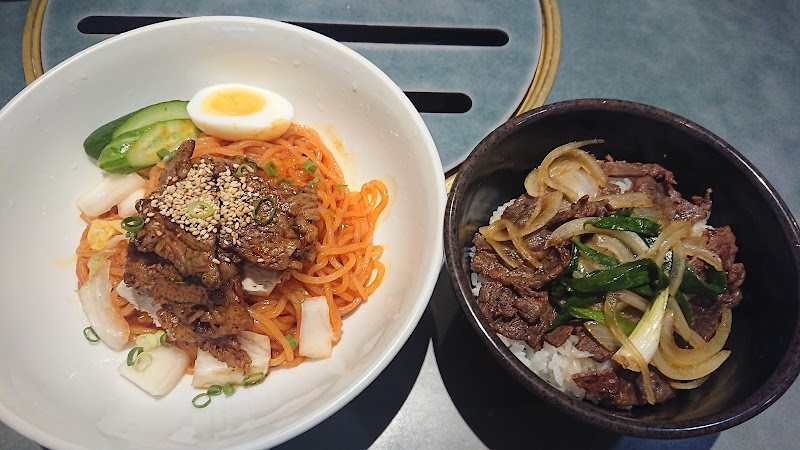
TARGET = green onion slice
x,y
240,171
309,166
132,224
293,298
340,185
228,389
214,389
314,181
90,335
166,155
200,209
291,340
143,361
253,379
197,400
283,180
163,341
135,351
271,213
272,169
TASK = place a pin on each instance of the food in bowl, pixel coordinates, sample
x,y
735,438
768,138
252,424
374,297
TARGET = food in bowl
x,y
218,252
606,282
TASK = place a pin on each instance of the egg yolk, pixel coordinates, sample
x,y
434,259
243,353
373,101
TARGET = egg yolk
x,y
233,102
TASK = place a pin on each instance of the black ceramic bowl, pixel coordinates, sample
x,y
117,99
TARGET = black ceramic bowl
x,y
765,337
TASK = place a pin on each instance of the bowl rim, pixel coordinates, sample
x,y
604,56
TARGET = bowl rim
x,y
427,285
773,388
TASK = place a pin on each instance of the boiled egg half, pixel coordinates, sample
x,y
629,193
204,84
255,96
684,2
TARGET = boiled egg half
x,y
234,112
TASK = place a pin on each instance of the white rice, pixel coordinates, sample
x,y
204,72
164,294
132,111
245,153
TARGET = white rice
x,y
556,365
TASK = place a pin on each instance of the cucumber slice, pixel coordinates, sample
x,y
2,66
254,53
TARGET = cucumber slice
x,y
160,112
138,149
102,136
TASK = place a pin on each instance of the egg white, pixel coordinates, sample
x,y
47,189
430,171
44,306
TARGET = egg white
x,y
267,123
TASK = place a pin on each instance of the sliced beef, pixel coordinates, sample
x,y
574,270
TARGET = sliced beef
x,y
524,318
588,343
525,279
288,238
225,349
622,388
521,209
667,200
557,337
623,169
192,257
582,208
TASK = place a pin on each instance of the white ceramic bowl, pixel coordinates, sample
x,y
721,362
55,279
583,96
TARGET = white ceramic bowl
x,y
61,391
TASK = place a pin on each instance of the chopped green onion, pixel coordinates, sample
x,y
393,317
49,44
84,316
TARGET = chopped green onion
x,y
314,181
271,213
147,341
340,185
641,276
214,389
242,167
135,351
638,225
272,169
228,389
283,180
200,209
693,284
596,256
143,361
253,379
166,155
90,335
309,166
132,224
163,341
292,298
200,397
291,340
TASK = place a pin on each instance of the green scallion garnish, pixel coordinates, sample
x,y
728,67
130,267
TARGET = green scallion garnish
x,y
196,400
271,213
228,389
309,166
200,209
293,298
163,341
90,335
214,389
143,361
166,155
314,181
291,340
240,171
132,224
135,351
253,379
272,169
341,185
283,180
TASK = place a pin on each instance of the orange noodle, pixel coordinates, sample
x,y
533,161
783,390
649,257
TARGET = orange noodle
x,y
347,268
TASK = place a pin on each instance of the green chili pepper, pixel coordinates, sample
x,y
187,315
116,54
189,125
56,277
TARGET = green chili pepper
x,y
641,276
638,225
595,256
693,284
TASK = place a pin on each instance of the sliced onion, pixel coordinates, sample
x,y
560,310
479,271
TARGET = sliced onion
x,y
706,255
532,183
690,372
646,335
613,245
111,190
569,229
571,150
677,269
682,327
95,296
581,182
681,357
688,384
634,300
666,239
628,200
631,240
610,307
603,335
